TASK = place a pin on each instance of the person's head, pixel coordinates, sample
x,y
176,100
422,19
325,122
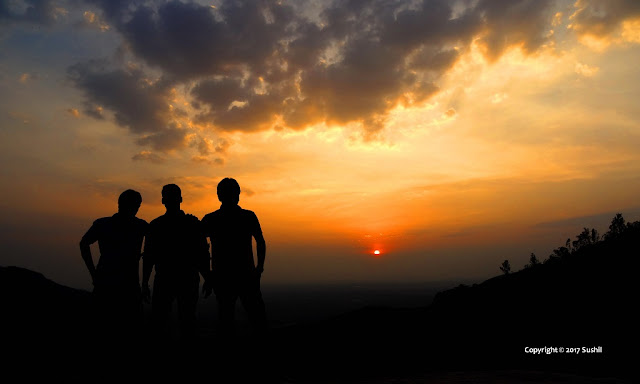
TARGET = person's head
x,y
228,191
171,196
129,202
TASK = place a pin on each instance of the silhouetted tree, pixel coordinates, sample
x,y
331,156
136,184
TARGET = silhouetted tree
x,y
586,237
633,226
559,253
505,267
533,261
616,227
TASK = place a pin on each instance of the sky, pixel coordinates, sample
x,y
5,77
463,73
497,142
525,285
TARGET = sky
x,y
447,135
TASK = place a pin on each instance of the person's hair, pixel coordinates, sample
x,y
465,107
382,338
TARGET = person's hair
x,y
130,199
171,191
228,189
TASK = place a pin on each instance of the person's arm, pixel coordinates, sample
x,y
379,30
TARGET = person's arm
x,y
209,281
261,251
202,251
208,287
147,266
85,251
204,266
212,255
261,245
205,260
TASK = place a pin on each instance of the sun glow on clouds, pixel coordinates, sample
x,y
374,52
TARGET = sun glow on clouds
x,y
585,70
631,31
477,158
348,182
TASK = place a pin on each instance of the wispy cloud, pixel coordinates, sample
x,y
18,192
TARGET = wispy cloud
x,y
44,12
73,112
148,156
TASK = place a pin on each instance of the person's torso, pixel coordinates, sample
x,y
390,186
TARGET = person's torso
x,y
120,242
231,231
176,238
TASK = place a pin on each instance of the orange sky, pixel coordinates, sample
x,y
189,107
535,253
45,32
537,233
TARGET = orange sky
x,y
448,137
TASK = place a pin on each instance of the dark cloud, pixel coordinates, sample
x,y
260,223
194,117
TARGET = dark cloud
x,y
115,9
136,101
92,20
309,40
42,12
367,81
188,40
166,139
257,112
93,110
428,59
218,94
376,64
601,18
391,54
148,156
253,65
432,25
233,104
507,23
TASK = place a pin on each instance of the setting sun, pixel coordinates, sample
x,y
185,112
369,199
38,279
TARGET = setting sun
x,y
376,252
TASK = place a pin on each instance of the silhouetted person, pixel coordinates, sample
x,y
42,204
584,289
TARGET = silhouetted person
x,y
116,286
176,246
234,273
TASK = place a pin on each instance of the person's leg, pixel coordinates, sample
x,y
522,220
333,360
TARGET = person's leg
x,y
251,298
187,306
129,315
226,298
161,302
259,343
103,313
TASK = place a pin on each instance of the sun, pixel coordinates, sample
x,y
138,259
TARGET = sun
x,y
376,252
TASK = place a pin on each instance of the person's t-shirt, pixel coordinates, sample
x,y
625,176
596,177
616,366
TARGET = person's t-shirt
x,y
176,245
120,242
231,230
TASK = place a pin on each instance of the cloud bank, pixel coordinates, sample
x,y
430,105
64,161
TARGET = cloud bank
x,y
250,66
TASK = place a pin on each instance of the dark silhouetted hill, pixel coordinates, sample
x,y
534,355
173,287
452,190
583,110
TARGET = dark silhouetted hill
x,y
584,299
37,308
44,325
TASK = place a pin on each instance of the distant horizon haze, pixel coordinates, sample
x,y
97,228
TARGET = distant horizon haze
x,y
327,265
